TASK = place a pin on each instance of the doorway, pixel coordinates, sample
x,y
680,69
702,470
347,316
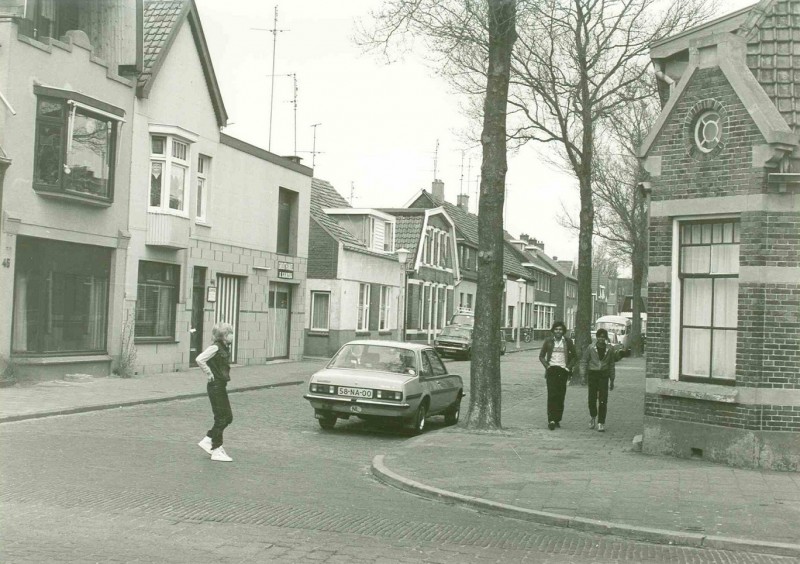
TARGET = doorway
x,y
279,326
198,312
227,309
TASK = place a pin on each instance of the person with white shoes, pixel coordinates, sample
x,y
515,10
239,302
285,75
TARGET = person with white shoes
x,y
598,364
215,362
558,356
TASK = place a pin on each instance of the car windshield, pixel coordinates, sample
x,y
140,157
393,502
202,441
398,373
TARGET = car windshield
x,y
380,358
454,331
462,319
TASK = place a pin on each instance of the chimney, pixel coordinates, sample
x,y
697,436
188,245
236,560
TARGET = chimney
x,y
294,159
536,243
555,258
463,202
437,188
525,237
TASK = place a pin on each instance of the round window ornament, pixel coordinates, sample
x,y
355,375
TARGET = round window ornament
x,y
708,131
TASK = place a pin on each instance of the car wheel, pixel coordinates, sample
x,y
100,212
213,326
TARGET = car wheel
x,y
528,336
328,422
468,354
419,418
453,412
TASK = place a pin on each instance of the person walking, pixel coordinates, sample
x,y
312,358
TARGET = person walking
x,y
598,364
215,361
558,356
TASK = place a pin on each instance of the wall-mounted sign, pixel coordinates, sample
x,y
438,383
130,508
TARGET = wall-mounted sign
x,y
285,270
211,294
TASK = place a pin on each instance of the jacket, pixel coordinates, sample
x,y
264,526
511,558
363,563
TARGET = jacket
x,y
591,361
218,362
547,352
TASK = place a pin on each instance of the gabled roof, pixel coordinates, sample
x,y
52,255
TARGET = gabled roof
x,y
162,21
467,226
325,196
407,229
749,47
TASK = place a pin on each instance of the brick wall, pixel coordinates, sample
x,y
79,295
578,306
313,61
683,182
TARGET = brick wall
x,y
323,253
658,320
774,240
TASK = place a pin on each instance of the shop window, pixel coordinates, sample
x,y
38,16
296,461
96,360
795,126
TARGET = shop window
x,y
60,297
156,300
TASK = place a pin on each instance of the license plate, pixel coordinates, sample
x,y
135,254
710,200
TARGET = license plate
x,y
355,392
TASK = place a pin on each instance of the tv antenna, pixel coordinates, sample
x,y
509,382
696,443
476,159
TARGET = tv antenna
x,y
436,159
314,146
461,188
352,192
293,101
274,31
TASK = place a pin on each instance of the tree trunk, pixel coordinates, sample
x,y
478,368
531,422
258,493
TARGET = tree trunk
x,y
484,399
583,322
637,274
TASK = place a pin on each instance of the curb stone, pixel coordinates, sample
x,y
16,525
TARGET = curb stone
x,y
695,540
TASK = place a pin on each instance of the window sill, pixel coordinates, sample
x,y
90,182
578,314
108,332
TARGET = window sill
x,y
363,333
202,223
318,333
71,197
162,211
385,333
155,341
59,359
699,391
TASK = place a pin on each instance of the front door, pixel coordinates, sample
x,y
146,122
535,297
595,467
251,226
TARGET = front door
x,y
228,306
280,310
198,305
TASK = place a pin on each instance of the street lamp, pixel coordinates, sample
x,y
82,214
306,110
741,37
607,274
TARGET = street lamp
x,y
520,287
402,256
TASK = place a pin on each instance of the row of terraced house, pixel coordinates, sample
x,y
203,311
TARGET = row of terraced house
x,y
131,223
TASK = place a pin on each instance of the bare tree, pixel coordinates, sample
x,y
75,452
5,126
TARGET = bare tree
x,y
619,202
451,26
574,65
578,63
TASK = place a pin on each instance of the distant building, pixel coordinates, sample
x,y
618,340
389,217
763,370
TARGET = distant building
x,y
723,340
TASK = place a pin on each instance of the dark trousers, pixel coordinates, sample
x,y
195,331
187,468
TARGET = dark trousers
x,y
598,395
221,407
556,390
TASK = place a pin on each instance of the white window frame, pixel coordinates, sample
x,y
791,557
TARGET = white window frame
x,y
168,160
388,236
677,291
384,317
203,183
362,319
314,295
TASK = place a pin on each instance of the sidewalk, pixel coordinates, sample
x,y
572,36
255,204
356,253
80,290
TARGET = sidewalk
x,y
579,478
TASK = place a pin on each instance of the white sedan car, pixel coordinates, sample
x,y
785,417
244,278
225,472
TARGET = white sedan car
x,y
406,382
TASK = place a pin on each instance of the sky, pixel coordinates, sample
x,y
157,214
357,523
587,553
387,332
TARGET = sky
x,y
385,131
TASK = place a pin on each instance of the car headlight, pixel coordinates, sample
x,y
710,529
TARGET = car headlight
x,y
322,388
388,395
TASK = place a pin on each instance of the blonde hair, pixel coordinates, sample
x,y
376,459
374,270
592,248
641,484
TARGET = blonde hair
x,y
220,330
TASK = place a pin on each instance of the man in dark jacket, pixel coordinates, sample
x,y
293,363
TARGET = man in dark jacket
x,y
558,356
598,365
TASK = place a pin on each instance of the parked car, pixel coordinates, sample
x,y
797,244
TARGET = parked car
x,y
456,341
466,318
405,382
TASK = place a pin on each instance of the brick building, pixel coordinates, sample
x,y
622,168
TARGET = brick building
x,y
723,366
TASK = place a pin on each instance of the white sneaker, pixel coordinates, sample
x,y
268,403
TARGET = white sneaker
x,y
592,422
220,455
601,427
205,444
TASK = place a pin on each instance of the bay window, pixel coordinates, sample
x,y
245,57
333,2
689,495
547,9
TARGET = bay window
x,y
169,173
709,298
75,145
